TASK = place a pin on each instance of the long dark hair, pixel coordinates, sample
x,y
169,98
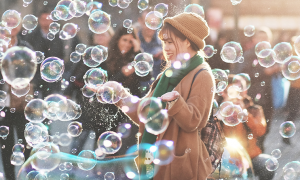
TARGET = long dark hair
x,y
116,59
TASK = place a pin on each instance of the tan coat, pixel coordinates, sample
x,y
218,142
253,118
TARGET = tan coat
x,y
187,117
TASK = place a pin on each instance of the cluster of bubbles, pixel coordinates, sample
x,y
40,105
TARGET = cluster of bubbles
x,y
17,158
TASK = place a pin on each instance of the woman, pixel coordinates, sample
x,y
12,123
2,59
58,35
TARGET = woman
x,y
122,49
184,33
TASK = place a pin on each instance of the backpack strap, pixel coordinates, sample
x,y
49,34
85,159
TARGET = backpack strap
x,y
194,80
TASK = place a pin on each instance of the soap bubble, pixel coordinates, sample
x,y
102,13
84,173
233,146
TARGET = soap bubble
x,y
52,69
123,4
233,91
57,106
50,36
158,122
39,57
87,92
195,8
209,51
296,45
69,31
65,139
35,110
75,57
18,66
35,133
266,58
80,48
162,8
235,2
164,154
109,176
11,18
45,156
127,23
276,153
54,27
290,68
142,68
28,97
87,160
146,57
99,53
242,81
234,119
231,52
77,8
99,22
4,131
75,129
17,159
215,108
287,129
20,92
111,92
18,148
3,95
95,76
54,15
289,174
63,10
5,33
283,52
249,30
143,4
272,164
109,142
64,176
263,45
124,130
221,79
87,58
148,106
154,20
226,108
113,3
30,22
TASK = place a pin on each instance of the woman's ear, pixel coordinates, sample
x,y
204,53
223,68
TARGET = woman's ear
x,y
187,43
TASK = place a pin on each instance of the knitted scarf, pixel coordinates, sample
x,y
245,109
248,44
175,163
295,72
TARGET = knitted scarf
x,y
164,85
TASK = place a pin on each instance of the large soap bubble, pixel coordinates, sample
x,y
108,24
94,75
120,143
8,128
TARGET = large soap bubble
x,y
57,106
287,129
35,133
30,22
266,58
11,18
154,20
68,31
143,4
63,10
75,129
162,8
99,53
261,46
232,52
99,22
291,68
87,160
111,92
195,8
149,107
283,52
95,76
18,66
45,157
109,142
35,110
87,58
52,69
158,123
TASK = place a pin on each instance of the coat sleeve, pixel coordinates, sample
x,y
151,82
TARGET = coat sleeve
x,y
194,112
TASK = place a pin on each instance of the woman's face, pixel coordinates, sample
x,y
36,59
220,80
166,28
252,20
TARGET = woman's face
x,y
169,44
102,39
125,43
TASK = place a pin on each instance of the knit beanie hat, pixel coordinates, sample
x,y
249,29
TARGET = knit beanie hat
x,y
193,26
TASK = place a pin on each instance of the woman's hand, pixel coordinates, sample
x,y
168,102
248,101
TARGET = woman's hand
x,y
136,44
127,70
170,96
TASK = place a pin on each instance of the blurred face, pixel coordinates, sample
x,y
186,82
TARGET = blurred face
x,y
125,43
44,21
101,39
172,46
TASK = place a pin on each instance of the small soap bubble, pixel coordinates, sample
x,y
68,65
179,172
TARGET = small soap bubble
x,y
75,57
24,32
54,27
272,164
123,4
109,176
249,30
80,48
74,151
12,110
4,131
235,2
256,74
50,36
209,51
92,135
45,3
72,78
250,136
113,3
287,129
127,23
143,4
36,93
276,153
162,8
263,83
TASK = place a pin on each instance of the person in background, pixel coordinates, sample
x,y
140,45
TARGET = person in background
x,y
57,48
13,114
216,61
248,132
150,43
260,94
